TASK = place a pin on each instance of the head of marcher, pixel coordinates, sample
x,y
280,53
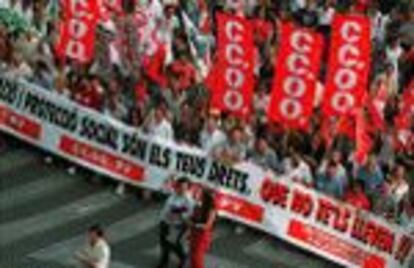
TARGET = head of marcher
x,y
181,186
95,233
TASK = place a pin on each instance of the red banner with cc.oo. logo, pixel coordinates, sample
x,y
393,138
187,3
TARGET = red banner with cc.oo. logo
x,y
77,30
297,69
233,78
349,63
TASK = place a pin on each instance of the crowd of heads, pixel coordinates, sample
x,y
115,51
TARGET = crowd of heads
x,y
176,107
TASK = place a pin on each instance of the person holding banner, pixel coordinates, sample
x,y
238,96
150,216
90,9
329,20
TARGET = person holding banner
x,y
201,233
175,218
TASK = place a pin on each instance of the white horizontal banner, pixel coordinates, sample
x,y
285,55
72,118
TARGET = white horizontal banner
x,y
245,192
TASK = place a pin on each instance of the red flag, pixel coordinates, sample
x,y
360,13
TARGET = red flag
x,y
81,8
376,106
263,29
77,39
77,30
154,67
234,74
297,69
346,126
349,63
328,130
363,140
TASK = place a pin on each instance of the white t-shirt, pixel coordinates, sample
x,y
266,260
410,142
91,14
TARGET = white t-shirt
x,y
300,173
326,16
393,55
100,254
379,23
23,70
162,130
177,209
407,222
211,141
4,3
398,192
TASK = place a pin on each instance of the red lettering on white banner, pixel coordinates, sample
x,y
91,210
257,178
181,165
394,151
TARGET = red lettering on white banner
x,y
102,159
20,124
324,241
239,207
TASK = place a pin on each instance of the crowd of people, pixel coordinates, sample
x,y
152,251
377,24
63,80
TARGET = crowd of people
x,y
175,106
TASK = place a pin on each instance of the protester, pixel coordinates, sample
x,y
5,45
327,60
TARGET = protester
x,y
396,190
202,225
264,156
329,182
159,125
406,218
296,169
357,197
372,177
175,220
158,82
341,172
211,137
97,253
235,149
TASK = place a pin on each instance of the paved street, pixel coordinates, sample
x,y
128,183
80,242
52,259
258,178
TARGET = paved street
x,y
44,212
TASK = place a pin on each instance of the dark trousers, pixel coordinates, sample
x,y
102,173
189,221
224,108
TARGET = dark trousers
x,y
174,245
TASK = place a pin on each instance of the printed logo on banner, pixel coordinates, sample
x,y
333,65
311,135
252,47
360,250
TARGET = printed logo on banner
x,y
225,202
239,207
297,70
334,245
232,90
349,64
101,158
20,124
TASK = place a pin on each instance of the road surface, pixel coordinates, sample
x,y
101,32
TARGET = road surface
x,y
44,213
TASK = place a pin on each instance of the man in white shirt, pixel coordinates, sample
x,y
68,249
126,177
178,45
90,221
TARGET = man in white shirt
x,y
211,138
160,127
379,24
175,219
296,169
97,253
393,53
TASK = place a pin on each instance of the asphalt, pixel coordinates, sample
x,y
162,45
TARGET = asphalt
x,y
44,213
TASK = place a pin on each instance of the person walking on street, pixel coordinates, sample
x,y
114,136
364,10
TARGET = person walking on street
x,y
175,218
97,253
201,233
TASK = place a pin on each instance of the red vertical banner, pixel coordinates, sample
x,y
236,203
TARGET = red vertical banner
x,y
376,107
232,89
349,64
81,8
297,69
363,140
77,30
77,39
